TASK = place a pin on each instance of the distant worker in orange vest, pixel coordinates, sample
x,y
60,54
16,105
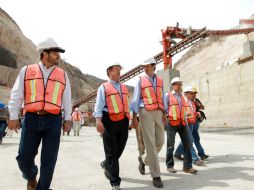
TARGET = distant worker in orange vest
x,y
177,110
112,120
148,101
44,89
76,119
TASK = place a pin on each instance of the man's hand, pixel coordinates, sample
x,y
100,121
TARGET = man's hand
x,y
164,119
198,114
67,126
100,126
130,125
14,125
134,123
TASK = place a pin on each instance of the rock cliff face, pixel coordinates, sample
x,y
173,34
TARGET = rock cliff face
x,y
225,85
17,51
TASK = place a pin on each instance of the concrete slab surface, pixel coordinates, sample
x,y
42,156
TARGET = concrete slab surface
x,y
230,166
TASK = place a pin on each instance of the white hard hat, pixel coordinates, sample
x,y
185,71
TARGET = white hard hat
x,y
188,89
176,79
76,109
49,44
195,89
149,61
111,67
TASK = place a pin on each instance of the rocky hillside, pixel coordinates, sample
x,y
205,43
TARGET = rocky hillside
x,y
17,51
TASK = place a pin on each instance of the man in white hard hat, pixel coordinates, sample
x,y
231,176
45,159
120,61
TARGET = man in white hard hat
x,y
44,89
76,119
191,121
148,101
112,121
177,123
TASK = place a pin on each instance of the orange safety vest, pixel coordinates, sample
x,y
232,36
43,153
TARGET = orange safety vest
x,y
175,115
118,106
192,118
152,100
76,116
37,96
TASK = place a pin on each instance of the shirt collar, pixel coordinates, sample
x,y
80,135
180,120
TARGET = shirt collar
x,y
44,67
114,82
174,93
151,77
187,99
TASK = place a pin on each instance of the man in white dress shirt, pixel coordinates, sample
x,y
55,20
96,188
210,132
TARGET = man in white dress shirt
x,y
44,89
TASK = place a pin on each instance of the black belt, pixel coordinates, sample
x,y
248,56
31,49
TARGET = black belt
x,y
41,112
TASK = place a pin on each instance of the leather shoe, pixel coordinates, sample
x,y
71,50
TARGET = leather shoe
x,y
157,182
31,184
179,157
141,166
204,157
171,170
190,170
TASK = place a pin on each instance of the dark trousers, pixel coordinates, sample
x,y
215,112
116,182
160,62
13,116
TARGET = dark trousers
x,y
114,139
171,133
3,126
37,129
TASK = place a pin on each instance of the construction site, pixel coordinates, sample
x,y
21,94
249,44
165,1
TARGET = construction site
x,y
229,73
219,63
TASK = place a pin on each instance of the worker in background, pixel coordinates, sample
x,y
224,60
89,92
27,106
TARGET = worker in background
x,y
148,102
191,121
76,119
44,88
200,117
4,117
112,121
177,115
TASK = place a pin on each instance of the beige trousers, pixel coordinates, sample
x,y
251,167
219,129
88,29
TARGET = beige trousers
x,y
76,127
139,136
153,136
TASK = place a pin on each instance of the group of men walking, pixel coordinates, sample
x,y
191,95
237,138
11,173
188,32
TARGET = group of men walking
x,y
43,90
153,111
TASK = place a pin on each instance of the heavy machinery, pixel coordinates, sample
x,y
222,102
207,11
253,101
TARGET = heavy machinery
x,y
170,48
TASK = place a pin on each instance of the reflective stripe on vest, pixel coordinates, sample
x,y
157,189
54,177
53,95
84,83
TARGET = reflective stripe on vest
x,y
55,93
175,115
115,106
118,105
153,100
33,90
37,96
